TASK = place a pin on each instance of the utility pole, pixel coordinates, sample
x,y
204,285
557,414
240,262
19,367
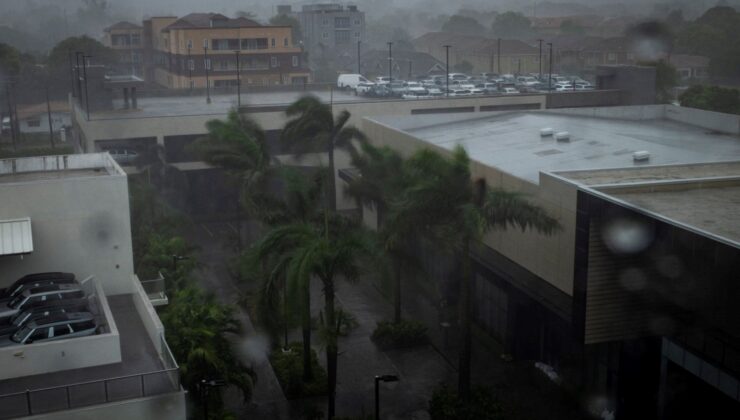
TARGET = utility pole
x,y
390,63
10,114
539,60
549,77
71,72
238,82
358,57
411,63
490,64
48,115
87,96
190,68
498,52
206,64
447,69
77,68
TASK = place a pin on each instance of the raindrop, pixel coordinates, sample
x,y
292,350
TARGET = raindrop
x,y
627,236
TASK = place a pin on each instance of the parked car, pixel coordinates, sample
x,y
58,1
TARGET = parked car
x,y
363,88
39,296
458,76
397,88
435,93
123,156
527,80
379,91
350,81
477,91
382,80
54,277
509,90
459,92
53,328
21,318
489,87
416,95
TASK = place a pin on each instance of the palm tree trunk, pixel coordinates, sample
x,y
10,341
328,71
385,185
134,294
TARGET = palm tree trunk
x,y
397,291
465,312
331,347
306,327
332,181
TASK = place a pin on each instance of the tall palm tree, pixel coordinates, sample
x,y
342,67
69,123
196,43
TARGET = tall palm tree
x,y
238,144
312,127
326,253
457,212
381,179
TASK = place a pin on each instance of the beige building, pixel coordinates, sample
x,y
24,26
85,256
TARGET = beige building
x,y
200,50
127,40
485,54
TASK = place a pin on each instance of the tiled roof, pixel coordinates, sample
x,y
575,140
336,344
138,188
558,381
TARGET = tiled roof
x,y
203,20
122,25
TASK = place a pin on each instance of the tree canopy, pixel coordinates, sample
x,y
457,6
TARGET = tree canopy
x,y
511,25
712,98
10,61
463,25
714,35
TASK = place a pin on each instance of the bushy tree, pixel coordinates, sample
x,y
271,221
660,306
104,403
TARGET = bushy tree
x,y
463,25
463,67
10,61
712,98
511,25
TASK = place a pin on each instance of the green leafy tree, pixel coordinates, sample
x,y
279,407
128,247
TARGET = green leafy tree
x,y
511,25
197,329
569,27
666,78
62,56
312,127
714,35
295,25
712,98
335,250
463,25
238,144
463,67
10,61
457,212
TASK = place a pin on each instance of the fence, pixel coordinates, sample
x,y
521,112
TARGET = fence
x,y
156,289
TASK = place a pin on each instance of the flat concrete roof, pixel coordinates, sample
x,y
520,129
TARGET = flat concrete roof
x,y
170,106
138,356
511,142
715,210
47,175
653,173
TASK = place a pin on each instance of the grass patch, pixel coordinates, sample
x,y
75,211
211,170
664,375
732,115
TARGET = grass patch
x,y
288,368
390,335
446,405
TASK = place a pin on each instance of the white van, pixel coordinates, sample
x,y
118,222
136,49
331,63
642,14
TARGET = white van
x,y
350,81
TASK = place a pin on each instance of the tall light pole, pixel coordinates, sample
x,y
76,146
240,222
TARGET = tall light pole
x,y
549,77
390,63
71,72
77,71
447,69
358,57
190,68
206,64
238,82
378,379
498,53
87,96
540,59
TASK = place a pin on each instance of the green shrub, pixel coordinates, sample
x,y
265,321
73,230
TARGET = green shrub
x,y
288,368
446,405
391,335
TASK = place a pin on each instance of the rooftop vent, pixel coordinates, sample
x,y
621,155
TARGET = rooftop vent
x,y
641,156
546,132
562,136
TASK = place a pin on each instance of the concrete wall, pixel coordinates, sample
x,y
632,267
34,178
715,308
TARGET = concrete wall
x,y
54,356
148,315
716,121
165,406
80,224
549,257
591,98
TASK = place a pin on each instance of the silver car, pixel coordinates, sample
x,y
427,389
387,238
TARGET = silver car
x,y
20,319
40,296
52,328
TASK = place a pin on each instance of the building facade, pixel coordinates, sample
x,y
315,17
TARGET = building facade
x,y
200,50
330,31
127,40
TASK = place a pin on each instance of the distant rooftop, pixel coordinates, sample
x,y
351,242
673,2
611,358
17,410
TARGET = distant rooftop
x,y
122,25
210,20
44,168
511,142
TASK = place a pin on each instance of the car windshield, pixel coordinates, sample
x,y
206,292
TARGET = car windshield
x,y
16,301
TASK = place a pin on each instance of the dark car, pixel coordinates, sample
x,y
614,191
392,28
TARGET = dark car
x,y
52,328
40,296
22,318
38,278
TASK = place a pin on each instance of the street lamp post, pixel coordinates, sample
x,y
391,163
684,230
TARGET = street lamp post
x,y
378,379
390,63
77,73
539,60
175,259
204,387
447,69
190,68
238,82
206,64
71,72
498,53
549,77
358,57
87,96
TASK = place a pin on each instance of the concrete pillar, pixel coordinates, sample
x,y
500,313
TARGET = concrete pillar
x,y
133,98
125,98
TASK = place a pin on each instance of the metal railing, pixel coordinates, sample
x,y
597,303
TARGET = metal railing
x,y
156,289
83,394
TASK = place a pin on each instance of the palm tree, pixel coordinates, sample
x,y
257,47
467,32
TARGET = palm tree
x,y
312,126
380,182
238,145
457,212
325,253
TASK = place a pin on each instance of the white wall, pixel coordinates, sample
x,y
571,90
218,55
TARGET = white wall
x,y
79,224
717,121
59,119
148,315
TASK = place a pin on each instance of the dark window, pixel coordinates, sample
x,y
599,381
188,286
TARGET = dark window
x,y
62,330
39,334
273,61
85,325
254,43
135,39
341,22
341,36
295,61
34,123
272,42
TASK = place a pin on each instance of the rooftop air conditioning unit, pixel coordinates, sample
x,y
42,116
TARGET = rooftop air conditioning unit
x,y
546,132
641,156
562,136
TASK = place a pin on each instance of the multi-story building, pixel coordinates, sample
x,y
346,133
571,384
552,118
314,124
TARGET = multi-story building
x,y
200,50
484,54
127,40
330,31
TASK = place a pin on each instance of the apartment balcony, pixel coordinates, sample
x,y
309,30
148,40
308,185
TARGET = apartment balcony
x,y
156,290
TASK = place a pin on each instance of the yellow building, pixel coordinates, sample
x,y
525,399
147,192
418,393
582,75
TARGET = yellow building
x,y
202,48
